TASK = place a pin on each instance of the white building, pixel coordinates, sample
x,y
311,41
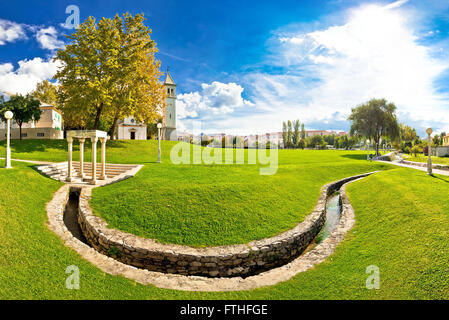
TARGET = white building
x,y
130,129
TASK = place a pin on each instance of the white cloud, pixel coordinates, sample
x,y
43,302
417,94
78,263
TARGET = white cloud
x,y
6,68
376,52
10,31
48,38
24,79
396,4
214,99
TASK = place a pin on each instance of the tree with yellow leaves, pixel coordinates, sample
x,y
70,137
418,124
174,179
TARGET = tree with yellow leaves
x,y
46,92
109,72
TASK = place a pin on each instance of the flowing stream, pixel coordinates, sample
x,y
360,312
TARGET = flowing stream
x,y
333,213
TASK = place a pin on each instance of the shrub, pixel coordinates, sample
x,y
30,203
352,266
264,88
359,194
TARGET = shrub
x,y
415,150
406,150
302,144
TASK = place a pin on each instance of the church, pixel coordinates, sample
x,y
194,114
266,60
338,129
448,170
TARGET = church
x,y
130,129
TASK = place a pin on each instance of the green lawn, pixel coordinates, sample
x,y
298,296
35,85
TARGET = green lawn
x,y
402,226
223,204
422,158
118,151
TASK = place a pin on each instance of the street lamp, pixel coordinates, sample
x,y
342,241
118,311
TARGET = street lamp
x,y
8,117
367,149
159,126
429,151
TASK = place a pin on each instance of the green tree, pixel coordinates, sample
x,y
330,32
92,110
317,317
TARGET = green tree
x,y
352,141
152,130
296,133
302,143
316,141
289,134
330,139
303,131
375,119
284,134
337,142
436,140
442,135
415,150
25,109
407,133
109,72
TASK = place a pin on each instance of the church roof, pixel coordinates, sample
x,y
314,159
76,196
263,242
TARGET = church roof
x,y
169,79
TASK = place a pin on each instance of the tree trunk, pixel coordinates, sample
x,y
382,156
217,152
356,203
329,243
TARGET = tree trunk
x,y
377,145
97,116
111,131
20,131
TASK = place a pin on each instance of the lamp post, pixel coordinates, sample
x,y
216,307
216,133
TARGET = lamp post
x,y
8,117
429,151
159,126
367,149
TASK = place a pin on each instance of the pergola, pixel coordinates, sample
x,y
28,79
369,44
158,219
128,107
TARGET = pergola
x,y
94,136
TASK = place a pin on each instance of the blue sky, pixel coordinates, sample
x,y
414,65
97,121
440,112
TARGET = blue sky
x,y
245,66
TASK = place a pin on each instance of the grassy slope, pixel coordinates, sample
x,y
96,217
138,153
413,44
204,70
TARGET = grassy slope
x,y
223,204
402,226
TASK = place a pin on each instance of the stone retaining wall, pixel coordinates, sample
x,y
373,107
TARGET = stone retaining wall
x,y
226,261
424,165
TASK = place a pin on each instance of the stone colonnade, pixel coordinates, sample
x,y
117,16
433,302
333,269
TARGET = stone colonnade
x,y
94,136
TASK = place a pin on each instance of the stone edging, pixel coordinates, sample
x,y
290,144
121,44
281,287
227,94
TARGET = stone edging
x,y
424,165
55,211
224,261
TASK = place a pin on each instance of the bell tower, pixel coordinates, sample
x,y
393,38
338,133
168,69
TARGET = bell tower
x,y
169,123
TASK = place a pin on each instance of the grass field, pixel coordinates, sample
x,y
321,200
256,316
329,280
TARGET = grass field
x,y
422,158
202,205
402,224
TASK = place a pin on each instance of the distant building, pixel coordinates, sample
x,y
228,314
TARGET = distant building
x,y
130,129
444,150
446,141
311,133
49,125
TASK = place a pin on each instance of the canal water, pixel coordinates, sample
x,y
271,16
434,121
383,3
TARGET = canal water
x,y
333,213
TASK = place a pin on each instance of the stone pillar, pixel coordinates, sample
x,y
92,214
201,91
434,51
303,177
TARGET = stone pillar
x,y
69,162
82,140
94,160
103,158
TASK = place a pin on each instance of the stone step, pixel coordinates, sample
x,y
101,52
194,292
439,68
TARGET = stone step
x,y
59,171
112,172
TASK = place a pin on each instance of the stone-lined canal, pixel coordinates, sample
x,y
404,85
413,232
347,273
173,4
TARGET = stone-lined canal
x,y
333,213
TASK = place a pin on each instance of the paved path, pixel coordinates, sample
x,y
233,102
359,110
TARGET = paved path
x,y
436,171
